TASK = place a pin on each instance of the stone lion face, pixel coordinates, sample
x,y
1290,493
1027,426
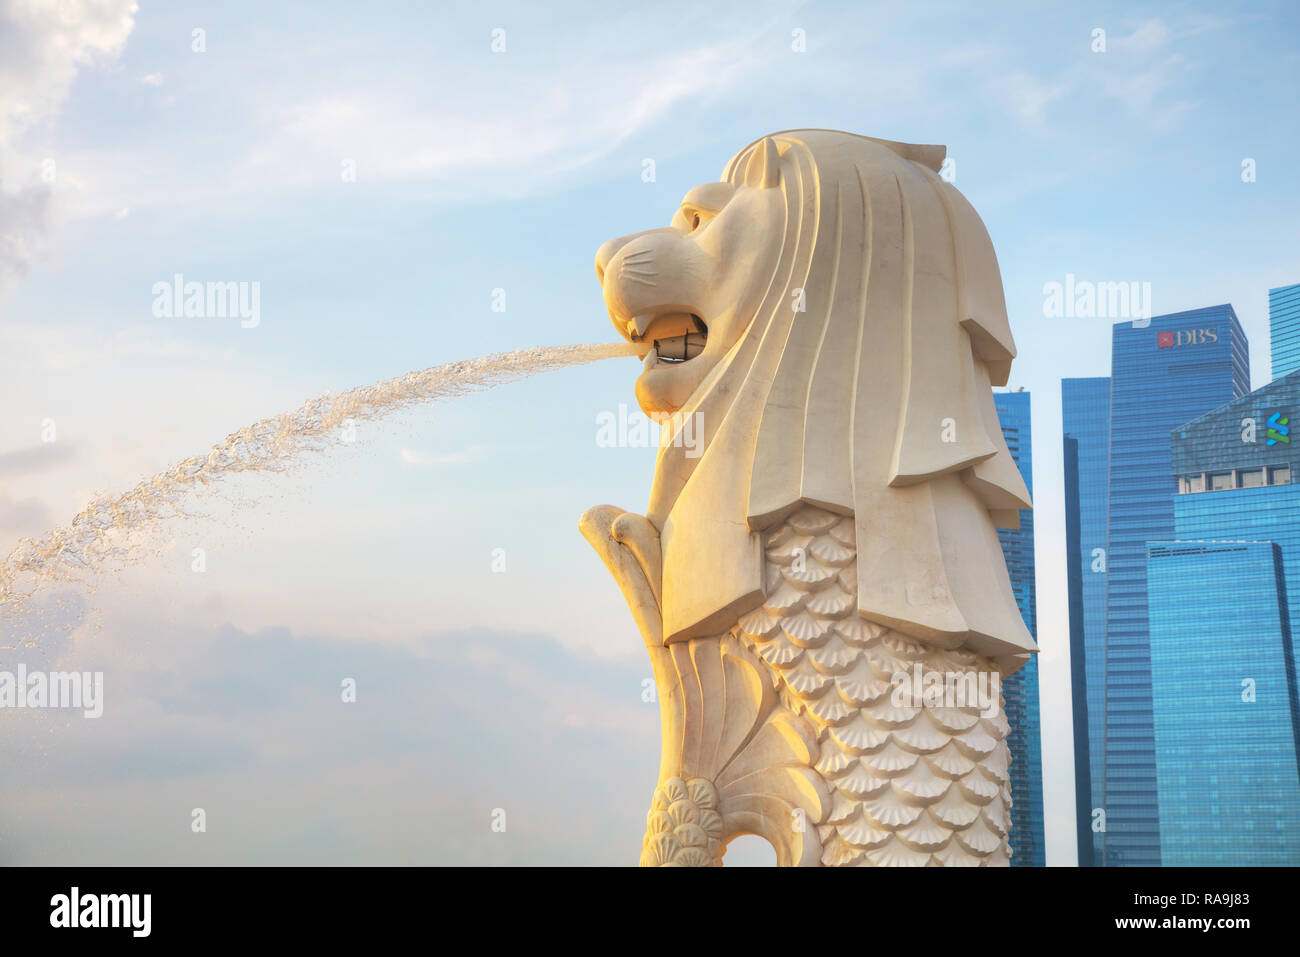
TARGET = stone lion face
x,y
689,290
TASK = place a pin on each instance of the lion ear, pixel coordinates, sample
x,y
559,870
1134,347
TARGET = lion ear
x,y
763,170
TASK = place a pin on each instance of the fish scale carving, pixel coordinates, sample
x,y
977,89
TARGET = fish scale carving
x,y
909,786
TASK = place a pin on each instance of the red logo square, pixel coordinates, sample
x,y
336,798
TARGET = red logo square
x,y
1164,340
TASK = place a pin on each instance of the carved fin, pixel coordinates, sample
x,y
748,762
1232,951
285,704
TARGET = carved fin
x,y
601,526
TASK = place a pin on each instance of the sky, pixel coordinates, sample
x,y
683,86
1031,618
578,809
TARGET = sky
x,y
384,175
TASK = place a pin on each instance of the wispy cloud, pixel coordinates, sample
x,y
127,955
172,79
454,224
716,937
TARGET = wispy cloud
x,y
1146,72
1027,96
35,458
568,120
424,460
1142,71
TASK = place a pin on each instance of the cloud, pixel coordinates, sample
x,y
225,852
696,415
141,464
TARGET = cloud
x,y
35,458
1026,95
23,518
424,460
152,79
1140,69
252,727
1141,73
25,216
42,47
567,121
1149,36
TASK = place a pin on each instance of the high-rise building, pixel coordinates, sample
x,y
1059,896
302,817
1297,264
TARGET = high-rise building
x,y
1224,602
1085,419
1284,326
1164,372
1238,477
1223,696
1028,848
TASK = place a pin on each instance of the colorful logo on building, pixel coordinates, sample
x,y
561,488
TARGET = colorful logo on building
x,y
1278,430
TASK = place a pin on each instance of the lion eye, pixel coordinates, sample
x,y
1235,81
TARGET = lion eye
x,y
695,218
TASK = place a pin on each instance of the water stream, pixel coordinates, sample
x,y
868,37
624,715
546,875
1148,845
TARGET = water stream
x,y
107,532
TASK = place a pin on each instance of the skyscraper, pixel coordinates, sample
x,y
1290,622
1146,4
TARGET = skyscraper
x,y
1223,691
1163,373
1245,458
1284,326
1021,689
1224,602
1085,419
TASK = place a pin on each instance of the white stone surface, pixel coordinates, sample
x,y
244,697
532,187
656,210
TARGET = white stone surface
x,y
829,319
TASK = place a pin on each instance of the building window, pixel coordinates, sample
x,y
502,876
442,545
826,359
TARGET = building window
x,y
1194,483
1251,478
1280,475
1221,481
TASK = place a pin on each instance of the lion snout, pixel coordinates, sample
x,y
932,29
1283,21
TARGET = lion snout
x,y
606,253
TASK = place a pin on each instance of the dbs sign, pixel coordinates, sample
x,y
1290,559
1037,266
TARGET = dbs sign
x,y
1185,337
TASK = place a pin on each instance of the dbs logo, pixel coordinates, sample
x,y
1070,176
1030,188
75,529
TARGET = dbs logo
x,y
1185,337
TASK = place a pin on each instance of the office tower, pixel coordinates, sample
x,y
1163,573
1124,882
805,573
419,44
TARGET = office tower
x,y
1164,373
1085,420
1021,689
1238,476
1284,326
1225,613
1223,694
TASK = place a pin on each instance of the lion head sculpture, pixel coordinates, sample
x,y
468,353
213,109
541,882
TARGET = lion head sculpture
x,y
830,318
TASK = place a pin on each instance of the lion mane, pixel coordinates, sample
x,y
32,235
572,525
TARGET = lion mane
x,y
863,386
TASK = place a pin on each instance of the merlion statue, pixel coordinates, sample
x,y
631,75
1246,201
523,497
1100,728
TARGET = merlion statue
x,y
818,577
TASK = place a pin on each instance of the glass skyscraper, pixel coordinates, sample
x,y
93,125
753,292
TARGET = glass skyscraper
x,y
1085,419
1021,689
1224,602
1284,323
1238,475
1164,373
1223,691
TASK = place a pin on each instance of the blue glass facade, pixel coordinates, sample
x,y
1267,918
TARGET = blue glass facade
x,y
1164,373
1284,326
1223,691
1028,847
1239,477
1085,420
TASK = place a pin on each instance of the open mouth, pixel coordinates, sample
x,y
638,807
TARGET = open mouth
x,y
677,336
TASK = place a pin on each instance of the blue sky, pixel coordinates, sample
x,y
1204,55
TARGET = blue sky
x,y
475,171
